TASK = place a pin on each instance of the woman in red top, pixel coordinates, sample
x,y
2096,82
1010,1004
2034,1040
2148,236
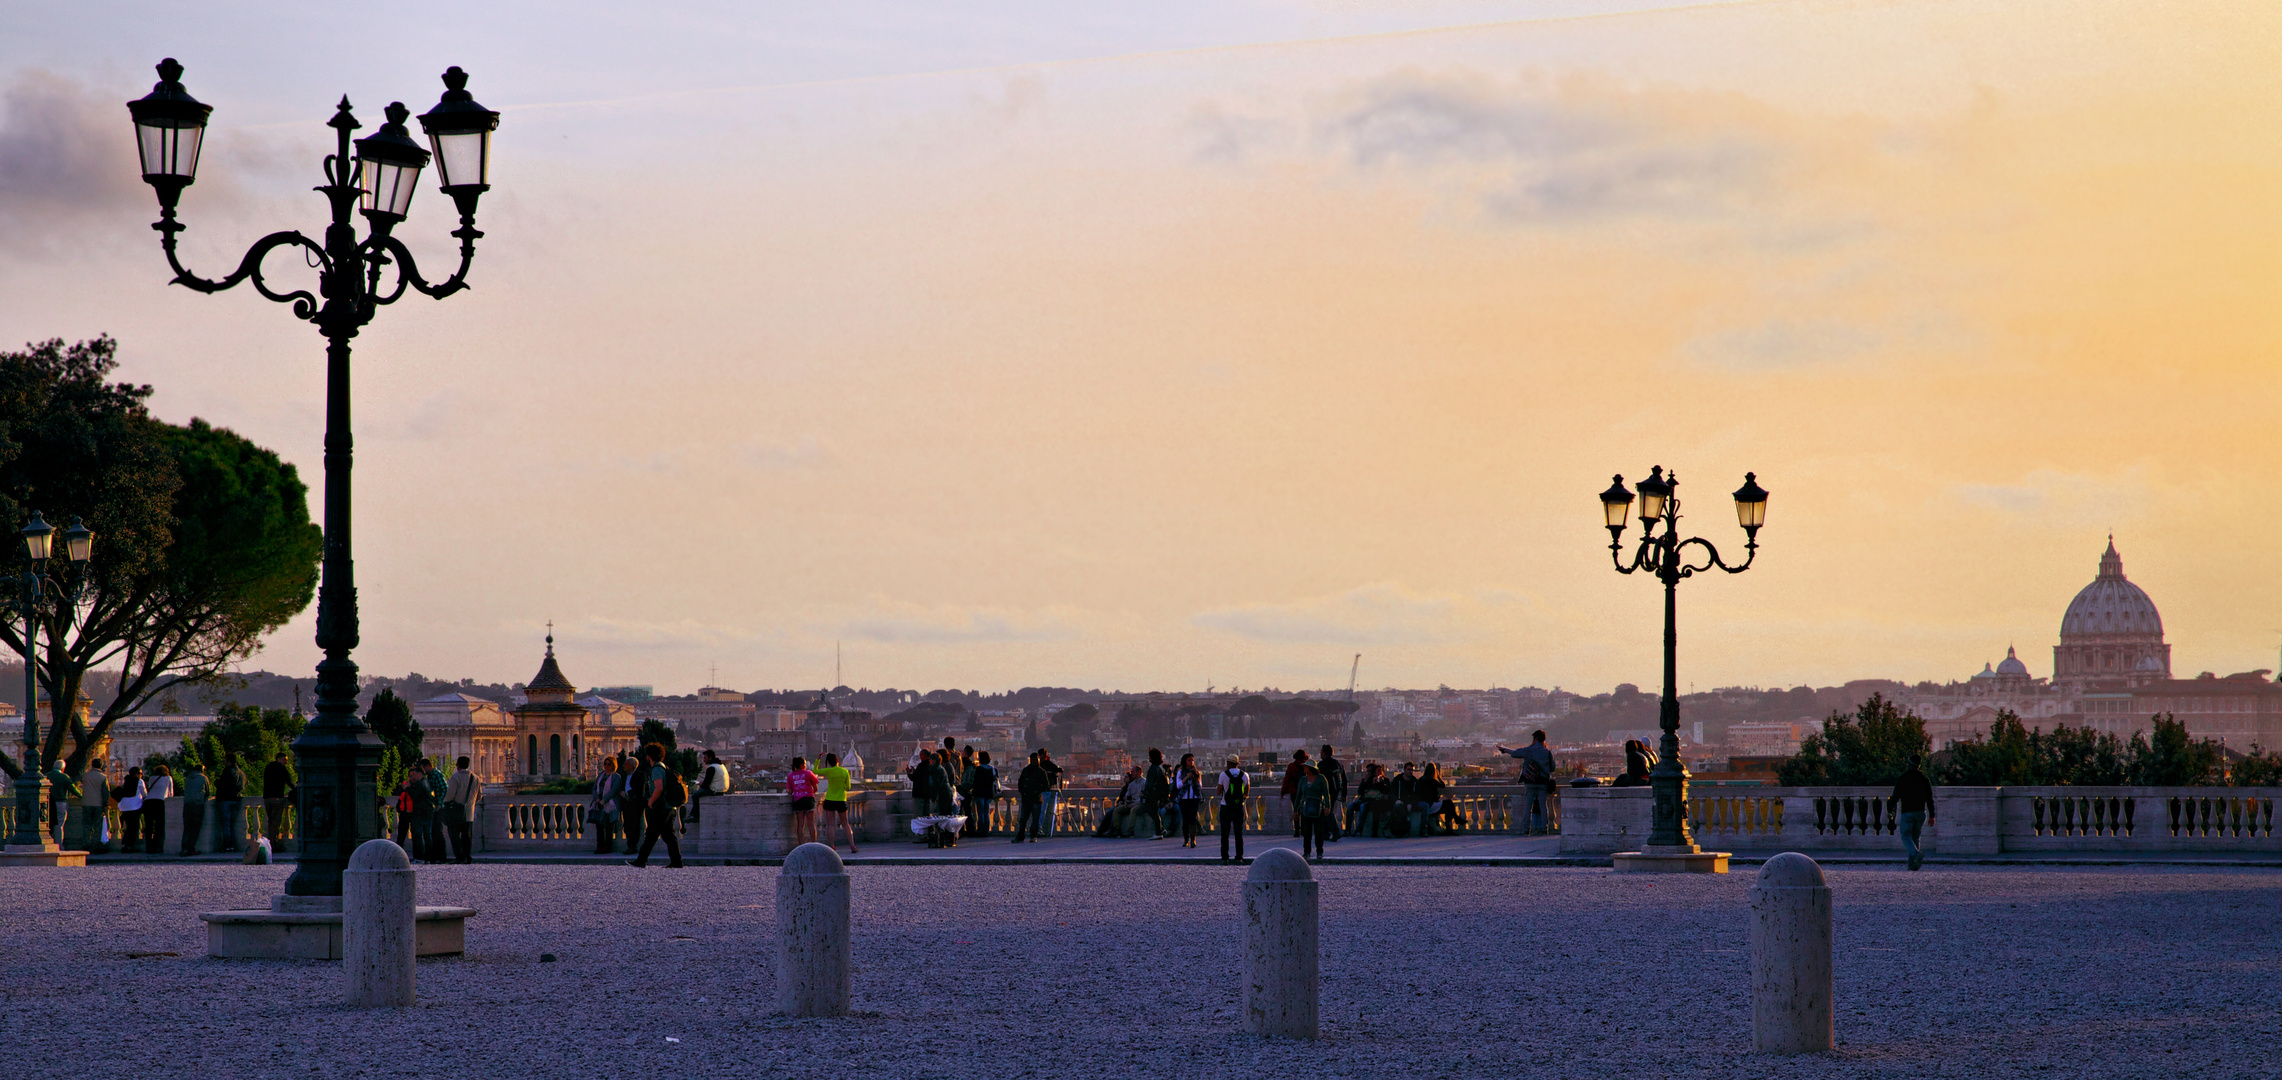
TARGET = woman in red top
x,y
802,785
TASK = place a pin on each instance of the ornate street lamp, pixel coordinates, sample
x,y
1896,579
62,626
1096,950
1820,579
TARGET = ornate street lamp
x,y
32,834
338,755
1660,554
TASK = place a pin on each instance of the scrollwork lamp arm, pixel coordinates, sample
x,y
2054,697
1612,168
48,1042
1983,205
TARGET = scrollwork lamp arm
x,y
249,268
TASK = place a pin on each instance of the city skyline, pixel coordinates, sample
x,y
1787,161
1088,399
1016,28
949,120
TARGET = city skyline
x,y
1217,346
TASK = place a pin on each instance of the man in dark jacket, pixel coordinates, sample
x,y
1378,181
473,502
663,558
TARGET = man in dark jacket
x,y
1914,795
1335,778
1031,785
276,789
1156,793
229,802
1290,788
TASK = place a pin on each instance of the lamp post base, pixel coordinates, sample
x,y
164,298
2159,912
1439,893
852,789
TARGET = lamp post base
x,y
50,854
1670,859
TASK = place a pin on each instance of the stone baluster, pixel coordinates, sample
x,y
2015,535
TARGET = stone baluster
x,y
1280,989
377,937
1792,984
815,963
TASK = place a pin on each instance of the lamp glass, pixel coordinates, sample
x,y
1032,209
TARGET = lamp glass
x,y
1751,502
39,539
462,158
78,541
169,149
387,186
1651,504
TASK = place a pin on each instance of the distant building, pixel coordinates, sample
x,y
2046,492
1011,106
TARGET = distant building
x,y
556,735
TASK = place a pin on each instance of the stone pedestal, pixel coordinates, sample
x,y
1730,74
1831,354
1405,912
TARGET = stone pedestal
x,y
815,958
1792,986
48,854
1602,820
377,893
309,928
1670,859
1281,990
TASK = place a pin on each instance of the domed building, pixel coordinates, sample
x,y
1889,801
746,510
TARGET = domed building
x,y
2111,633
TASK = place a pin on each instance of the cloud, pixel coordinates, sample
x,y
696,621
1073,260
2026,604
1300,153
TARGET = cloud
x,y
632,634
2064,497
802,453
1381,614
1579,150
65,155
912,624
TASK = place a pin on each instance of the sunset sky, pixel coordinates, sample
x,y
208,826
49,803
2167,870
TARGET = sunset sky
x,y
1153,346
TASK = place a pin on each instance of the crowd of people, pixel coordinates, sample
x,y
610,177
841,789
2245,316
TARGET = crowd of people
x,y
435,816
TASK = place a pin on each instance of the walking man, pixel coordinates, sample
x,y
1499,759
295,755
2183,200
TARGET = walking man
x,y
1334,777
1914,794
1235,788
276,789
663,808
1293,773
1536,781
460,797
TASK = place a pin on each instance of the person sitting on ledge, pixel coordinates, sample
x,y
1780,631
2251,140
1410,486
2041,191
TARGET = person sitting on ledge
x,y
1638,759
1374,803
1427,806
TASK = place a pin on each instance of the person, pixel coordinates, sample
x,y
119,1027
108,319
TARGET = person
x,y
1914,793
276,788
836,782
420,799
982,794
229,803
161,788
930,786
94,802
1049,800
460,797
62,793
130,794
802,785
667,793
1407,798
401,801
1030,788
434,778
1156,793
1335,775
1313,805
1188,790
1441,811
1235,787
633,800
193,805
713,781
1290,789
1372,813
604,805
1536,782
1124,816
1638,759
962,773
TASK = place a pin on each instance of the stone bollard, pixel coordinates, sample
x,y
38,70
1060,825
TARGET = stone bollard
x,y
378,946
1280,987
815,970
1791,982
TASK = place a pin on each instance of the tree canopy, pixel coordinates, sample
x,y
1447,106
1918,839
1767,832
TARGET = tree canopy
x,y
1871,747
203,541
390,717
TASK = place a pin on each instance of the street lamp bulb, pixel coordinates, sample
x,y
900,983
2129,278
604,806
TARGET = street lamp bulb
x,y
38,536
169,126
78,541
1616,504
1751,503
460,131
388,166
1655,492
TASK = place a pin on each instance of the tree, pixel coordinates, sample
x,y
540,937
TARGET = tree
x,y
2169,758
654,730
203,540
1872,747
390,717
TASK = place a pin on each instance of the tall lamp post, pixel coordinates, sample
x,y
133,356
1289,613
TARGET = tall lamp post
x,y
338,755
32,835
1661,554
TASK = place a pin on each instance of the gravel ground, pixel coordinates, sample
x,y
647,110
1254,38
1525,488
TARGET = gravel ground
x,y
1129,972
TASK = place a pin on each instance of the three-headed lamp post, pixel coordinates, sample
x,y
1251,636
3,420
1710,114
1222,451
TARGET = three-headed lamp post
x,y
338,756
1661,554
32,834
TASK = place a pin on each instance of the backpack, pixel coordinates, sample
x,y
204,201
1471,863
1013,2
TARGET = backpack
x,y
1234,794
1532,772
677,789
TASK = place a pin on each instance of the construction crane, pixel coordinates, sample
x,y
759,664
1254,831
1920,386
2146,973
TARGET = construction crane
x,y
1351,670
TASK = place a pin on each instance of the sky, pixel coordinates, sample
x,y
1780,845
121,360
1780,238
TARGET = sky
x,y
1188,344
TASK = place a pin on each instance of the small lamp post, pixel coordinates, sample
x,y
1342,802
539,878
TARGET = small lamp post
x,y
339,756
1661,554
31,833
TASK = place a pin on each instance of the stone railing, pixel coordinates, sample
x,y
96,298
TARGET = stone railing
x,y
74,833
1967,820
760,825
